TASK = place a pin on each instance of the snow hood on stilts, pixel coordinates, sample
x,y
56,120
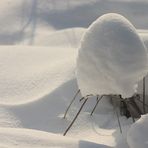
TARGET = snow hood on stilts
x,y
112,57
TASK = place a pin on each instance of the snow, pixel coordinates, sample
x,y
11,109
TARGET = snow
x,y
30,18
45,114
37,81
112,57
66,38
138,133
11,137
28,73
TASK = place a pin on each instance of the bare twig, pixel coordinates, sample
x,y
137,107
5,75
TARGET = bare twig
x,y
71,103
144,95
87,96
127,104
98,100
75,117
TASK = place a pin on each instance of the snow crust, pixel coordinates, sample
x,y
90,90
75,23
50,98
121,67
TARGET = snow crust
x,y
112,57
138,133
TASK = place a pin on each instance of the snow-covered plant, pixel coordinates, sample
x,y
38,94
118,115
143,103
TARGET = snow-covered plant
x,y
112,57
111,60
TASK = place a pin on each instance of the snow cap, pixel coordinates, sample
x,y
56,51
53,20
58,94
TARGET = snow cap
x,y
112,57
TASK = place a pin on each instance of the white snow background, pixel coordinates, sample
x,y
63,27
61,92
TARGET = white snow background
x,y
39,41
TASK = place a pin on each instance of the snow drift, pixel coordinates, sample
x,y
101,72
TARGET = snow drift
x,y
29,73
112,57
138,133
17,137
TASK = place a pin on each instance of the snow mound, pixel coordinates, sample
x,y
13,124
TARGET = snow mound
x,y
14,138
29,73
138,134
66,38
112,57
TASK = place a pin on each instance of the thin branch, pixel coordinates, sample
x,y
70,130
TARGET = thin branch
x,y
75,117
144,95
71,103
130,111
98,100
86,97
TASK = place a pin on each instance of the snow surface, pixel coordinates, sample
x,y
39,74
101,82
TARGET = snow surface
x,y
45,111
24,138
28,73
112,57
58,25
138,133
46,114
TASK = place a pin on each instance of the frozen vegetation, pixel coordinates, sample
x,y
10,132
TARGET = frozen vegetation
x,y
38,80
112,57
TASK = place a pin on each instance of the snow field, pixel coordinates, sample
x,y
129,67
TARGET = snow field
x,y
41,81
